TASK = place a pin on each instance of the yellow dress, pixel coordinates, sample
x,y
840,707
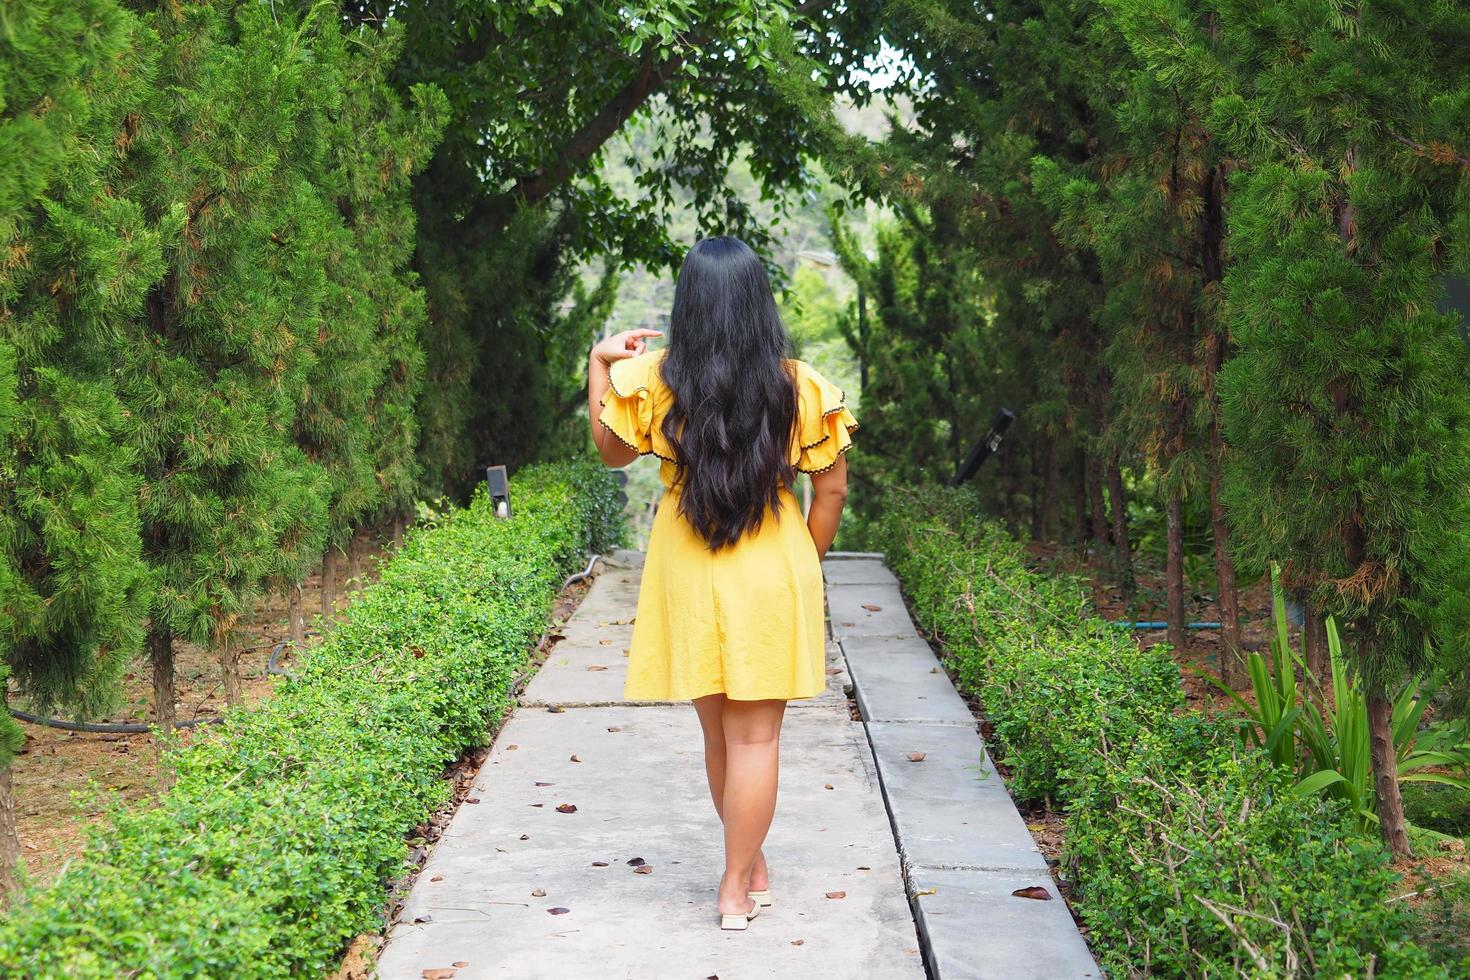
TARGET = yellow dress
x,y
747,620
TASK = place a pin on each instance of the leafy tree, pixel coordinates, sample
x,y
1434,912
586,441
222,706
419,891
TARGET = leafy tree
x,y
1347,402
513,198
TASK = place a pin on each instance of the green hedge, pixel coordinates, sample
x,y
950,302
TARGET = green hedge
x,y
1190,855
274,845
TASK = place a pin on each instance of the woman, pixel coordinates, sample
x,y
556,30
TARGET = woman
x,y
730,612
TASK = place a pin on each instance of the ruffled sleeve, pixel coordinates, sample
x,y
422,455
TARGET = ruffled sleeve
x,y
824,422
627,406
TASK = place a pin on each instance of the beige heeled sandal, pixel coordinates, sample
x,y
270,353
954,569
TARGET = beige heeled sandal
x,y
738,921
762,898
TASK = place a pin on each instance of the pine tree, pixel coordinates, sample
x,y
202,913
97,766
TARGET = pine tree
x,y
223,159
79,257
1150,205
1346,403
999,90
357,419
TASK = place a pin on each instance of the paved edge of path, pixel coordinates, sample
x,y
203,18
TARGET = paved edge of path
x,y
964,846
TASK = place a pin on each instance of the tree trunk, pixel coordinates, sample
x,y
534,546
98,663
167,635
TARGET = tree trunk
x,y
1122,549
1228,595
9,841
229,660
1314,638
1175,569
1098,509
398,529
161,654
1212,266
1079,498
354,563
1038,481
1386,773
329,587
297,614
1050,517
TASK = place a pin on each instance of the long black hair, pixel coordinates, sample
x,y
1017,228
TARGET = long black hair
x,y
734,409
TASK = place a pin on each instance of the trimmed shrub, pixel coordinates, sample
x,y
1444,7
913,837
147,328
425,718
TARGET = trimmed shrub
x,y
1191,856
276,841
1056,681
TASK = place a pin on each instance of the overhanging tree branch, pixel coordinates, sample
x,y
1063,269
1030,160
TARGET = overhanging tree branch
x,y
650,77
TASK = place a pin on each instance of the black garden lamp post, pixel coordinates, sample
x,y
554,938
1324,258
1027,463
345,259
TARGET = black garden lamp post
x,y
497,486
986,447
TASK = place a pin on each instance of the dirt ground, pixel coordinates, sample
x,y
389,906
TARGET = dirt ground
x,y
64,780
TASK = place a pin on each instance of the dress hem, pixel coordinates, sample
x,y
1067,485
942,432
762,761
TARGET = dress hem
x,y
677,699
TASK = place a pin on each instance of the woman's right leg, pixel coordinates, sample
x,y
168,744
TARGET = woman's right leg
x,y
711,712
752,763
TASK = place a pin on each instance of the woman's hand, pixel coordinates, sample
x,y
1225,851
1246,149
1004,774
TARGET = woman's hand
x,y
629,343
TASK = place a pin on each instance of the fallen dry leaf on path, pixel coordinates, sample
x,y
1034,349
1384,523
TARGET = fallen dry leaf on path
x,y
437,878
1033,891
837,894
636,862
829,786
915,757
539,783
599,864
538,893
461,964
558,910
438,973
566,808
872,608
643,869
596,667
575,759
797,942
926,891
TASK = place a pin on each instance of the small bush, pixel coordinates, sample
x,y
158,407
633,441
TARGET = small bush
x,y
274,845
1220,868
1445,809
1191,856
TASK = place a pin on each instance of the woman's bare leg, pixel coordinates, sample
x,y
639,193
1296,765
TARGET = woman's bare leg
x,y
752,764
711,710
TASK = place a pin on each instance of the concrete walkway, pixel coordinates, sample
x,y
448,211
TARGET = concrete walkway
x,y
636,777
900,818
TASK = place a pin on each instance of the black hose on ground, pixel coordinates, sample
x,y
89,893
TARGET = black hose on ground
x,y
105,727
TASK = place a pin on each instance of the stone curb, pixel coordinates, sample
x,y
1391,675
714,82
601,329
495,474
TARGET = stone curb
x,y
963,845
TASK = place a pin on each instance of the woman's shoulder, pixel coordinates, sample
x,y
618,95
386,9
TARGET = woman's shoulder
x,y
633,374
813,386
